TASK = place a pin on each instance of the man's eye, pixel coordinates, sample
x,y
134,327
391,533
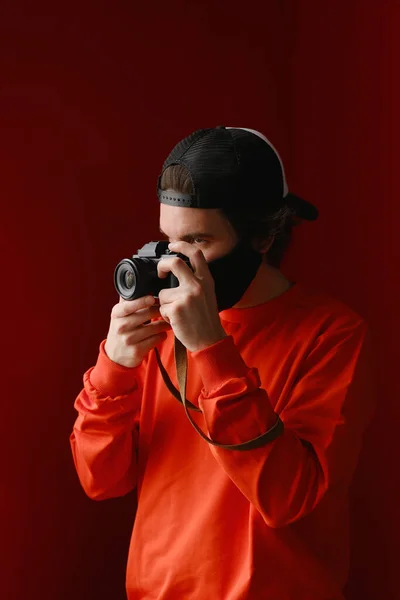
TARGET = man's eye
x,y
199,241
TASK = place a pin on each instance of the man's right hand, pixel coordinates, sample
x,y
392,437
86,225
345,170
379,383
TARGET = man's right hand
x,y
131,336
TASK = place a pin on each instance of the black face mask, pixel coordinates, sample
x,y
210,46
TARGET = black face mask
x,y
233,273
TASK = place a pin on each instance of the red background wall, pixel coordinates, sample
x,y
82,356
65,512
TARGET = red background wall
x,y
343,127
91,100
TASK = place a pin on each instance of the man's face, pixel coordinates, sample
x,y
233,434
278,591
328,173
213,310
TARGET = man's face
x,y
205,228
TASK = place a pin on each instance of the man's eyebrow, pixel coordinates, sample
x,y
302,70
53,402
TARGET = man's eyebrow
x,y
190,236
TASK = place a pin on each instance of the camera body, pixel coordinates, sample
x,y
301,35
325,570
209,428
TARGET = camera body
x,y
137,276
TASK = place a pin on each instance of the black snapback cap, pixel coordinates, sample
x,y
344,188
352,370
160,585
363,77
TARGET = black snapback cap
x,y
231,167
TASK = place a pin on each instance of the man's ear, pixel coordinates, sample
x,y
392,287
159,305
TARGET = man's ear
x,y
263,245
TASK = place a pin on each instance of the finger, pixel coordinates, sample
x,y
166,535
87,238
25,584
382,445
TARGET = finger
x,y
151,342
146,315
164,315
128,307
194,254
154,315
156,326
168,295
142,317
142,333
176,266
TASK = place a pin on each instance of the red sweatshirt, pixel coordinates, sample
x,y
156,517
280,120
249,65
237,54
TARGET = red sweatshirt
x,y
217,524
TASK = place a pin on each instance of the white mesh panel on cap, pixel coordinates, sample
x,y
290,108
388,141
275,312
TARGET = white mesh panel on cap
x,y
260,135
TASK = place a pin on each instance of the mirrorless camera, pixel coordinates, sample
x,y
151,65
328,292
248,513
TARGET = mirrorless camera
x,y
137,276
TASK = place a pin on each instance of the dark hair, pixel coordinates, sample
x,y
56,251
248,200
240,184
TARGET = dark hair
x,y
257,225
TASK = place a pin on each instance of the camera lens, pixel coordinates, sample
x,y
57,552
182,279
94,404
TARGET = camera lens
x,y
125,279
129,279
135,277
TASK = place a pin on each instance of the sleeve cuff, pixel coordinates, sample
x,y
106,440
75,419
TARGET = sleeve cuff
x,y
112,379
219,363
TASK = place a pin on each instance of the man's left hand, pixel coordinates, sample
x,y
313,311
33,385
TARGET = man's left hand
x,y
191,308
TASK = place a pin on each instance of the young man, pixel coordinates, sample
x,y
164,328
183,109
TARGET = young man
x,y
268,360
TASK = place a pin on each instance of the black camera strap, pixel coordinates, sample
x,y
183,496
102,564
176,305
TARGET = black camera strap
x,y
181,371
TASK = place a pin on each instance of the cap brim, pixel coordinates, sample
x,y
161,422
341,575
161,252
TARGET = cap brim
x,y
304,210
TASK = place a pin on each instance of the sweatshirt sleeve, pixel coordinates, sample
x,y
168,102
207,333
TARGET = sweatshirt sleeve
x,y
104,436
324,418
